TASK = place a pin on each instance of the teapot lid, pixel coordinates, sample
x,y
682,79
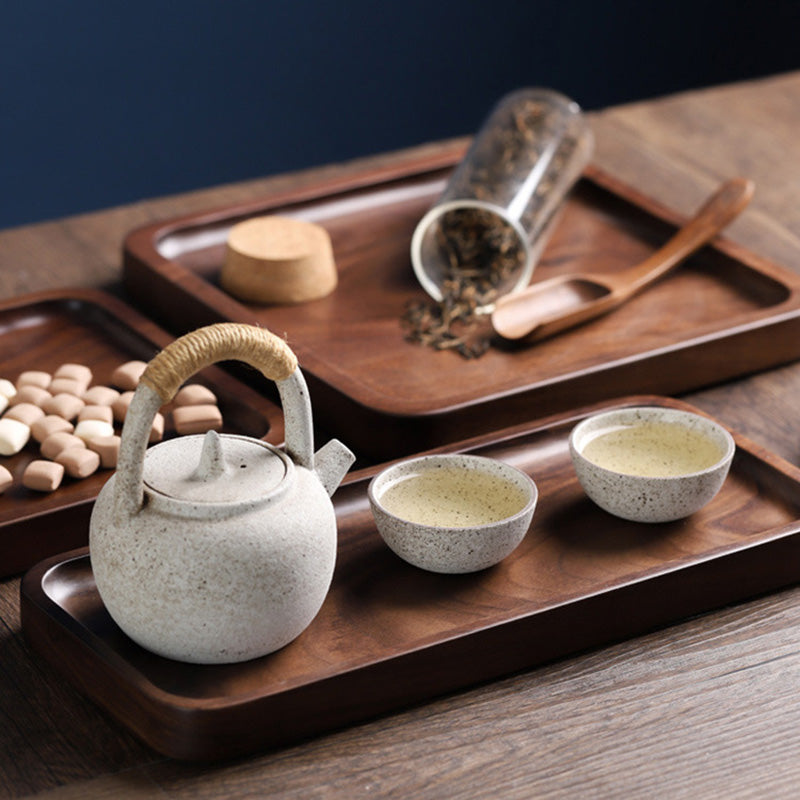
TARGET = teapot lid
x,y
214,468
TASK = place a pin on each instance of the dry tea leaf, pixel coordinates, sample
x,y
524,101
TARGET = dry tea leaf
x,y
482,252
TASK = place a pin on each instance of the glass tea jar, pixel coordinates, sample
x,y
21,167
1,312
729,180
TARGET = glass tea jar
x,y
487,230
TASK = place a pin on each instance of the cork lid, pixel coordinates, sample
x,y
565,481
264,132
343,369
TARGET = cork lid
x,y
277,259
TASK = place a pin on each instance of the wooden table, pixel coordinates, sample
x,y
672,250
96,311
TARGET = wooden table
x,y
706,707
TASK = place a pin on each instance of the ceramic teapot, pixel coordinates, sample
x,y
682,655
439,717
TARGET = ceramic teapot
x,y
217,548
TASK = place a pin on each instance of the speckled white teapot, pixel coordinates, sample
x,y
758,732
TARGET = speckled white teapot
x,y
217,548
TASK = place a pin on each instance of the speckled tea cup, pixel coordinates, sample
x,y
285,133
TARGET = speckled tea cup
x,y
452,513
656,495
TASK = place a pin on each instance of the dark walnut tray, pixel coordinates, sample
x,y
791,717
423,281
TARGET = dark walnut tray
x,y
725,313
45,330
390,635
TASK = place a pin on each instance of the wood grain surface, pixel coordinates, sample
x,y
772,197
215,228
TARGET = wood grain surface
x,y
703,708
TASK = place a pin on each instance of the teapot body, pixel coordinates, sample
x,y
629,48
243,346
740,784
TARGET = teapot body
x,y
217,548
216,583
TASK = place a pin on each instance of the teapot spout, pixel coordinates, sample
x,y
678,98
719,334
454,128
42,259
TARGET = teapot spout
x,y
331,463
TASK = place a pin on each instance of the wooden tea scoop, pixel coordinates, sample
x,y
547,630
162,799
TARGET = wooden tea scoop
x,y
551,306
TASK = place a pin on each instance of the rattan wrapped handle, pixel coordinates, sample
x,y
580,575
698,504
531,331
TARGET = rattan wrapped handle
x,y
224,341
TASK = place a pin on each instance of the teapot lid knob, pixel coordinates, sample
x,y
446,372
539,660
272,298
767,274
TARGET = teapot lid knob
x,y
212,459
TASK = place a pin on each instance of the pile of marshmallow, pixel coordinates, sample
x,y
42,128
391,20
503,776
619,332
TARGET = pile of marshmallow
x,y
73,422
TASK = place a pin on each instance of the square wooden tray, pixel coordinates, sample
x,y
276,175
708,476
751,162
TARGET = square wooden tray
x,y
390,635
45,330
725,313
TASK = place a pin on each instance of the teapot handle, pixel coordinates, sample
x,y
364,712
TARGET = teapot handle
x,y
178,361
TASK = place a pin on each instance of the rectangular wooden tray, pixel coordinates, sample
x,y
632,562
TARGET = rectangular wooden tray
x,y
47,329
390,635
725,313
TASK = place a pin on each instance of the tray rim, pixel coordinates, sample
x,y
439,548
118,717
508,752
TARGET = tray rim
x,y
359,174
140,252
201,712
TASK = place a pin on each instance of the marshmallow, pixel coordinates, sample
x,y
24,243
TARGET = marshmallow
x,y
64,405
127,375
34,377
43,476
48,425
57,442
14,436
103,413
79,373
120,406
28,393
88,429
107,447
156,429
194,394
100,396
197,419
25,412
78,462
66,386
7,389
6,479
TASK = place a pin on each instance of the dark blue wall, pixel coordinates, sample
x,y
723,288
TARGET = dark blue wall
x,y
108,102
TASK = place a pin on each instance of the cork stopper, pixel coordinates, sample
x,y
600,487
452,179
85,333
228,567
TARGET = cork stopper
x,y
276,259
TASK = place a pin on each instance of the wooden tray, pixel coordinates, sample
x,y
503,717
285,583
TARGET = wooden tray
x,y
390,635
45,330
725,313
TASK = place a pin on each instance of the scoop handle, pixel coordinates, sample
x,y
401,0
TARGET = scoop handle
x,y
724,205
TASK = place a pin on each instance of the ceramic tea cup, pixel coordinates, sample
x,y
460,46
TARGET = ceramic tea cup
x,y
452,513
651,464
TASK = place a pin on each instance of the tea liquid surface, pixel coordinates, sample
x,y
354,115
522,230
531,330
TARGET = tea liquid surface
x,y
453,498
652,449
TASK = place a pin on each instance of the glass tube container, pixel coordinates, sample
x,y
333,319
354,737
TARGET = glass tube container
x,y
487,230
